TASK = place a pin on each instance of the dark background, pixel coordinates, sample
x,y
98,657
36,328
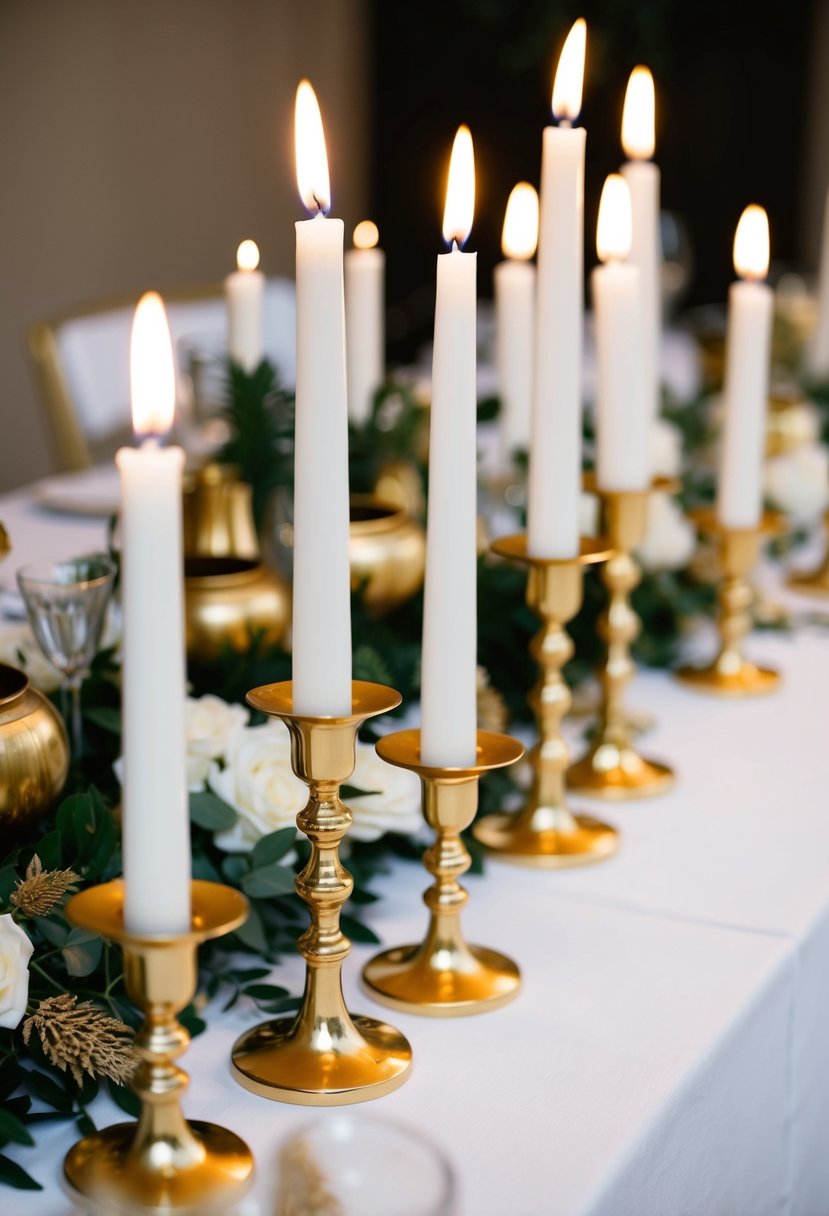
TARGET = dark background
x,y
731,78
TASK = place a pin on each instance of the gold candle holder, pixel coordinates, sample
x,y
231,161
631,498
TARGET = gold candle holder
x,y
443,976
323,1056
545,833
731,674
613,768
162,1163
813,582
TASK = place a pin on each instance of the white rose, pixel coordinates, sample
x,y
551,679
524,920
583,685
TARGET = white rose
x,y
19,648
15,952
393,805
671,540
258,782
666,448
797,482
210,725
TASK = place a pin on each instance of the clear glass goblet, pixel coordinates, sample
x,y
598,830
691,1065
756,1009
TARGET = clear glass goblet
x,y
66,603
360,1165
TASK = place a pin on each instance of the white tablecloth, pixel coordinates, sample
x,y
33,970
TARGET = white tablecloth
x,y
669,1054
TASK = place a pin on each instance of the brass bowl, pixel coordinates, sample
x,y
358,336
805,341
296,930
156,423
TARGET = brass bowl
x,y
387,553
228,600
34,751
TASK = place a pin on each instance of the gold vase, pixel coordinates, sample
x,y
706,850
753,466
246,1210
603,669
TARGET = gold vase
x,y
387,553
218,515
228,601
34,751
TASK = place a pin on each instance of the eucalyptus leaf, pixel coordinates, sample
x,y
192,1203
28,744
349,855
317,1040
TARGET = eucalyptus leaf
x,y
273,847
106,717
14,1175
82,952
210,811
12,1130
269,881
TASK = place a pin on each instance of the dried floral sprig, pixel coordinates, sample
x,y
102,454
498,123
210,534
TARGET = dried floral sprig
x,y
82,1038
40,890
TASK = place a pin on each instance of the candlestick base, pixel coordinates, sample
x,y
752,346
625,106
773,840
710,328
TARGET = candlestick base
x,y
324,1056
545,833
613,769
162,1163
731,674
443,976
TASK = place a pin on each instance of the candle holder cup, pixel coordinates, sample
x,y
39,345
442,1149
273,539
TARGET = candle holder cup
x,y
813,582
443,976
731,674
324,1056
612,767
545,833
162,1163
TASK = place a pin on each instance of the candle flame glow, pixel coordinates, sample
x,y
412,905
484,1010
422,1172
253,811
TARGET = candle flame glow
x,y
366,235
751,244
639,116
520,235
569,80
152,373
613,235
311,158
460,190
247,255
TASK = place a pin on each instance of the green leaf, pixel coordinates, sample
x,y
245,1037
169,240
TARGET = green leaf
x,y
85,1125
357,931
124,1098
48,1091
56,932
191,1021
211,812
268,881
82,952
14,1175
8,881
48,850
235,866
354,791
273,847
265,992
106,717
252,932
11,1129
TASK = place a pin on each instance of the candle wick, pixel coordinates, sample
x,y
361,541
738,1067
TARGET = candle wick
x,y
565,124
454,244
320,206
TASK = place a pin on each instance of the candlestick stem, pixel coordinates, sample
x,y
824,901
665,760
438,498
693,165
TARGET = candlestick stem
x,y
545,832
731,674
162,1163
612,767
444,976
324,1056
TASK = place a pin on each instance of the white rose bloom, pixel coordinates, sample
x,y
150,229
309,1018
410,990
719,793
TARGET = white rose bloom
x,y
19,648
671,539
258,782
393,805
15,952
665,449
797,482
211,724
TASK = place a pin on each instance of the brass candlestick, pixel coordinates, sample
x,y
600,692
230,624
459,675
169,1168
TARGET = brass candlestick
x,y
613,767
731,674
813,582
323,1056
443,976
162,1163
546,833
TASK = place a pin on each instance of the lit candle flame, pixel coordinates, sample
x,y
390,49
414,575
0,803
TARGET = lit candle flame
x,y
569,79
639,116
460,190
751,244
613,235
366,235
247,255
311,158
520,235
152,373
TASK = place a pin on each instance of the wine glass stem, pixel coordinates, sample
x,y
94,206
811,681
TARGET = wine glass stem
x,y
73,687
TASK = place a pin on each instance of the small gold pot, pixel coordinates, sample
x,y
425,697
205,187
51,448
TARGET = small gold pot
x,y
387,553
227,600
34,751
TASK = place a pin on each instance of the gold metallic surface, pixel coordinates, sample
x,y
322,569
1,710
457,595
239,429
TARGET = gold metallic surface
x,y
731,674
443,976
218,515
387,553
612,767
162,1163
230,600
324,1056
813,582
34,751
545,833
